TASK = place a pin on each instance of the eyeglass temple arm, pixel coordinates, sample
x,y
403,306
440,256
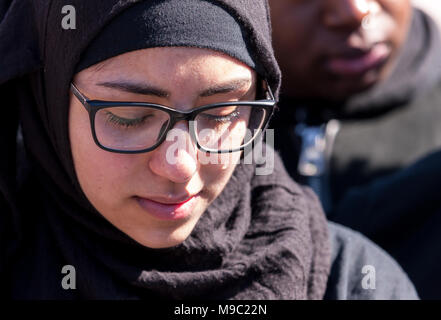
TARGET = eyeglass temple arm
x,y
83,99
271,96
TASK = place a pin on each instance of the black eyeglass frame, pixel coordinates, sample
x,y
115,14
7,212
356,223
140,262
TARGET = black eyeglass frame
x,y
93,106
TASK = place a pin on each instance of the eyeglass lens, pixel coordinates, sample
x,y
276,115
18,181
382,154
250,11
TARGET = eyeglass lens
x,y
138,128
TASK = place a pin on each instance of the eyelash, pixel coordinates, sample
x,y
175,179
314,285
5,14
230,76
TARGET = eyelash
x,y
111,118
124,122
228,117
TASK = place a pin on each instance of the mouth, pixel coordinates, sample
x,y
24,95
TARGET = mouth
x,y
354,62
169,209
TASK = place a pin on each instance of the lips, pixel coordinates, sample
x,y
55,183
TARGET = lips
x,y
169,209
356,62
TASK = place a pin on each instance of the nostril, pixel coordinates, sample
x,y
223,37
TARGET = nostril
x,y
180,172
173,163
185,167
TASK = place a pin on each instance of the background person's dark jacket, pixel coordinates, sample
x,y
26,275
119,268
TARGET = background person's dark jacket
x,y
402,213
360,270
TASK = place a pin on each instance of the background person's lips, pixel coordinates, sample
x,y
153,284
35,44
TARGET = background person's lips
x,y
168,211
353,63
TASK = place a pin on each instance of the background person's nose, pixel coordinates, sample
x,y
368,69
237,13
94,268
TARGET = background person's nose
x,y
176,158
345,13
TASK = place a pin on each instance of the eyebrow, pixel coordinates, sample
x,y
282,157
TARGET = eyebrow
x,y
231,86
133,87
146,89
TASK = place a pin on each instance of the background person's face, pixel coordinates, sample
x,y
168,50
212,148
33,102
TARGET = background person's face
x,y
329,49
121,185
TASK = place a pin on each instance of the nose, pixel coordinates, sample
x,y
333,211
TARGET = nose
x,y
345,13
176,158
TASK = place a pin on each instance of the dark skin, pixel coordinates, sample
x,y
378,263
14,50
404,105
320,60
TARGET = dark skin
x,y
332,49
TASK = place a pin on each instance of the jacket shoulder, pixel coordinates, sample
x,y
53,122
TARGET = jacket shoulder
x,y
360,270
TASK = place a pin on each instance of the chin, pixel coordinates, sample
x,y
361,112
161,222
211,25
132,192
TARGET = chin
x,y
164,235
162,241
345,89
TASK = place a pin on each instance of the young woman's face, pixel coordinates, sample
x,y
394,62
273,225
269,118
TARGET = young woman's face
x,y
155,201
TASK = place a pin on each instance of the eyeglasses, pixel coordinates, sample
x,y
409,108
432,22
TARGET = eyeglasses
x,y
137,127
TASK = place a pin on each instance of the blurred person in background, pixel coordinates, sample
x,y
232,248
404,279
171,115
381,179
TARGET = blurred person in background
x,y
360,101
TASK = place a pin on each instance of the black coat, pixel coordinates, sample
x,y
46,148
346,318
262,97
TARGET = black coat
x,y
402,213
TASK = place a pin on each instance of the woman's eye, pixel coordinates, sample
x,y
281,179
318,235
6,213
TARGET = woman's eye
x,y
221,116
125,122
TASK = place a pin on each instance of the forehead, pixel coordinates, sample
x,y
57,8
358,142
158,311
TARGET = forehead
x,y
169,64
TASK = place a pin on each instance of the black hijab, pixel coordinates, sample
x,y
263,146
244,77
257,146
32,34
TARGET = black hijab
x,y
263,237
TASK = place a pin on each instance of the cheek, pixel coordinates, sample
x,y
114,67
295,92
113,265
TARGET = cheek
x,y
216,174
102,175
400,12
297,32
288,32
